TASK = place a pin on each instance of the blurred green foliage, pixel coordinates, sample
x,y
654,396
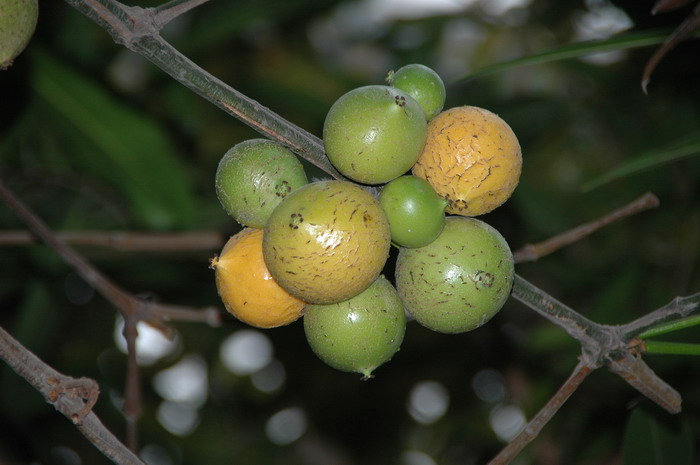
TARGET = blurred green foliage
x,y
94,137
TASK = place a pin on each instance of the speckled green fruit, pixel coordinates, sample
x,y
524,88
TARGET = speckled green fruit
x,y
253,177
416,212
17,23
358,334
460,280
374,134
423,84
327,241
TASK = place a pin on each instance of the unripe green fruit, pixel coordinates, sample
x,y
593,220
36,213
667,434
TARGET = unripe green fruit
x,y
423,84
327,241
374,134
17,23
253,177
416,212
460,280
358,334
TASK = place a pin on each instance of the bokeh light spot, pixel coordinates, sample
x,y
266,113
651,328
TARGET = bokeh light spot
x,y
506,421
246,351
151,344
286,426
428,402
185,382
178,418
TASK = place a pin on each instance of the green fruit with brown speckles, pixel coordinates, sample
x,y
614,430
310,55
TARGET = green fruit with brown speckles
x,y
423,84
358,334
327,241
374,134
253,177
17,23
459,281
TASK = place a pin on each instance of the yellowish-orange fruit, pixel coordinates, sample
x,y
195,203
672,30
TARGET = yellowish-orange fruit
x,y
327,241
246,286
472,158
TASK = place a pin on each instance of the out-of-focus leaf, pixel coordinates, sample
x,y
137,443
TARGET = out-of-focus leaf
x,y
579,49
649,440
132,152
653,159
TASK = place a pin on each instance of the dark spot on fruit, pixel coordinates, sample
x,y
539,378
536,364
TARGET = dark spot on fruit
x,y
367,218
295,219
484,279
282,189
400,100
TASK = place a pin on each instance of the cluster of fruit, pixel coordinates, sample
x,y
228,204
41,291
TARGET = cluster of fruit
x,y
318,249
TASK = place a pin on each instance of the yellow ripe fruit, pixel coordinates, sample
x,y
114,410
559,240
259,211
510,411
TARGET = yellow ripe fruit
x,y
472,159
246,287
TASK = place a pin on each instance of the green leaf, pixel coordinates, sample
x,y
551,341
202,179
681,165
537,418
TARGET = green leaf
x,y
674,152
652,440
131,151
578,50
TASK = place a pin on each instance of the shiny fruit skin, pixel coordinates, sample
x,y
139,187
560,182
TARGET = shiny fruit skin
x,y
246,287
374,134
253,177
416,213
472,159
460,280
358,334
18,20
423,84
327,241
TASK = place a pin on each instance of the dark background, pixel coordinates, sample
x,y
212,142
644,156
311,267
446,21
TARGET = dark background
x,y
94,137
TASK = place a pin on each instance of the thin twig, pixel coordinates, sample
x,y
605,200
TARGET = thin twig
x,y
679,307
126,303
57,390
534,426
125,241
132,308
165,13
533,252
133,27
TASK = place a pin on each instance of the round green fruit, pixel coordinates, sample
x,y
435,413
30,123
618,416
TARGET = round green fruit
x,y
374,134
359,334
18,20
327,241
253,177
460,280
423,84
416,213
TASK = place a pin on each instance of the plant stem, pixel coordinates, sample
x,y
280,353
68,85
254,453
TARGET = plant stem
x,y
594,338
671,348
126,241
45,379
533,252
133,28
670,326
534,426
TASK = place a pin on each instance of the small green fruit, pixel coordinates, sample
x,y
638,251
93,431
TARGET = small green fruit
x,y
253,177
416,213
460,280
18,20
374,134
327,241
423,84
359,334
